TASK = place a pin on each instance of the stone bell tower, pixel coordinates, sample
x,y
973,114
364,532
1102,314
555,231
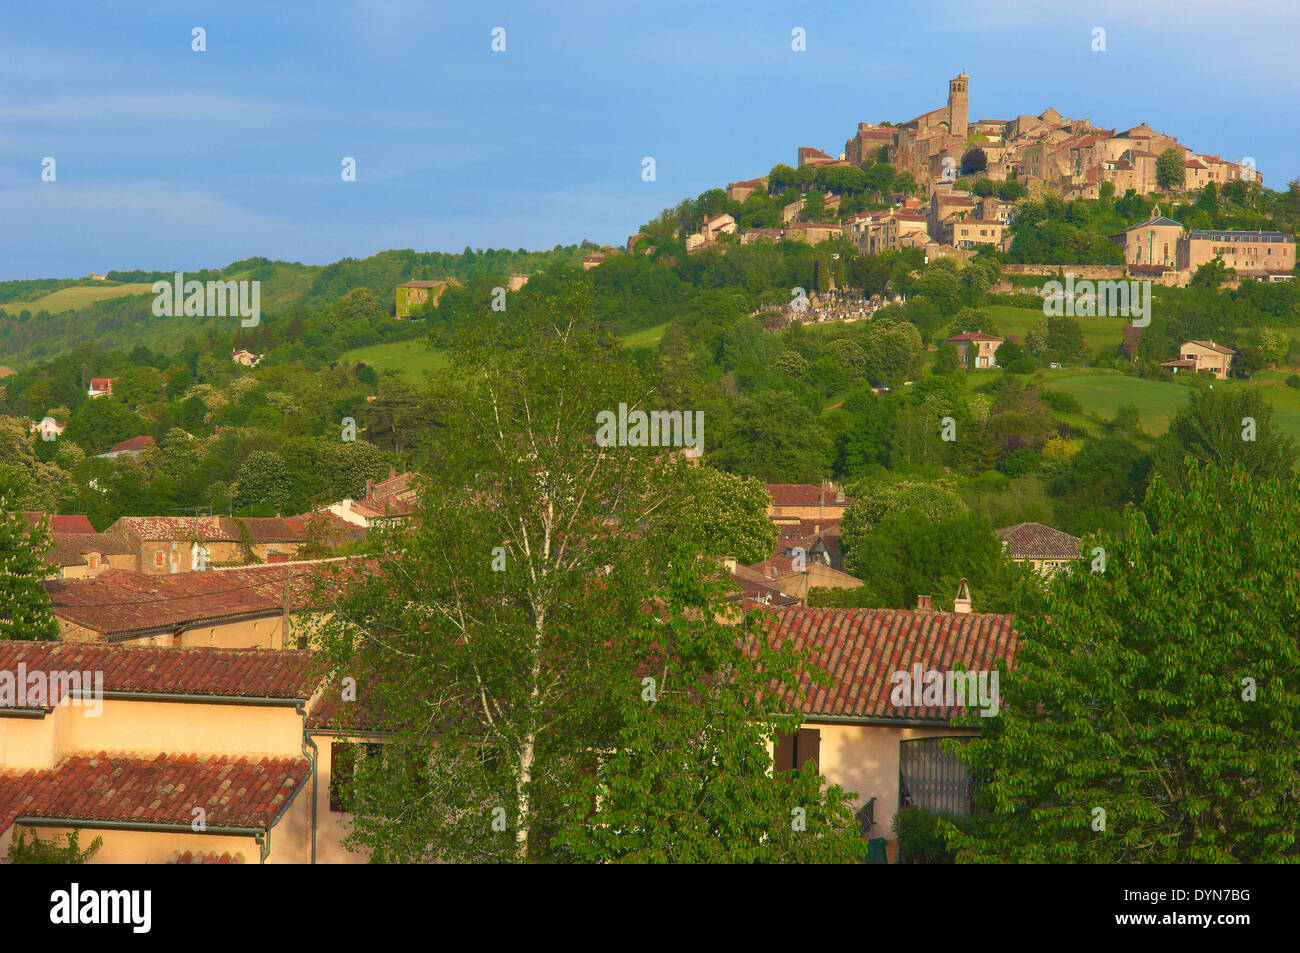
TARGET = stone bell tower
x,y
958,106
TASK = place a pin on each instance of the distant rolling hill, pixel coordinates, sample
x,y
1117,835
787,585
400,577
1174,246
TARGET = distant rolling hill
x,y
44,318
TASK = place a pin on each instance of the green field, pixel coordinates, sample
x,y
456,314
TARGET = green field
x,y
69,299
414,358
1103,392
1098,332
646,337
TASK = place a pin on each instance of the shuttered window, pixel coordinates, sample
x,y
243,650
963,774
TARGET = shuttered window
x,y
793,750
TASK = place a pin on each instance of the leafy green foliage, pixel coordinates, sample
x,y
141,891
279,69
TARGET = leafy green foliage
x,y
506,636
1226,427
52,851
1130,696
24,603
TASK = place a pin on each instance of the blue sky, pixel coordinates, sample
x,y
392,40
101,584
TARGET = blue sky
x,y
173,159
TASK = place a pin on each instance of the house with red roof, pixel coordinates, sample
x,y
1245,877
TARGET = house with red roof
x,y
386,501
898,678
1045,549
792,502
1207,356
170,755
101,387
266,607
131,447
976,349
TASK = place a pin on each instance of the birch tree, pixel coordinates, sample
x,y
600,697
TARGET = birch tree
x,y
501,637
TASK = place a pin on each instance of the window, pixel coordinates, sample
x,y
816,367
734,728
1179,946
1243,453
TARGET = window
x,y
932,778
158,560
343,766
794,749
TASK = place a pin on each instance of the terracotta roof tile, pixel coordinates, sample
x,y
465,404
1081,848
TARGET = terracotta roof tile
x,y
120,601
226,673
239,793
861,649
1036,541
802,494
61,524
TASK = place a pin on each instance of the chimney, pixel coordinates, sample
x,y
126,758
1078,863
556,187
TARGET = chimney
x,y
961,604
922,603
392,473
730,564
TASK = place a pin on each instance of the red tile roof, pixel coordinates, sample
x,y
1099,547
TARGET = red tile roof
x,y
861,649
164,790
1036,541
168,528
70,549
1219,348
974,336
334,527
134,443
802,494
756,590
331,714
828,528
146,670
121,602
61,524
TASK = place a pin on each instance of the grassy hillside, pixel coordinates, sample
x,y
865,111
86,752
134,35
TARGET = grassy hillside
x,y
413,358
1103,392
78,296
116,314
1098,332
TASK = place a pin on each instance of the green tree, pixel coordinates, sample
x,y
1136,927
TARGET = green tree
x,y
24,603
506,637
1135,726
974,161
720,514
905,184
1011,190
1212,274
100,423
263,483
910,554
945,359
1171,173
688,780
774,437
1226,427
873,500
